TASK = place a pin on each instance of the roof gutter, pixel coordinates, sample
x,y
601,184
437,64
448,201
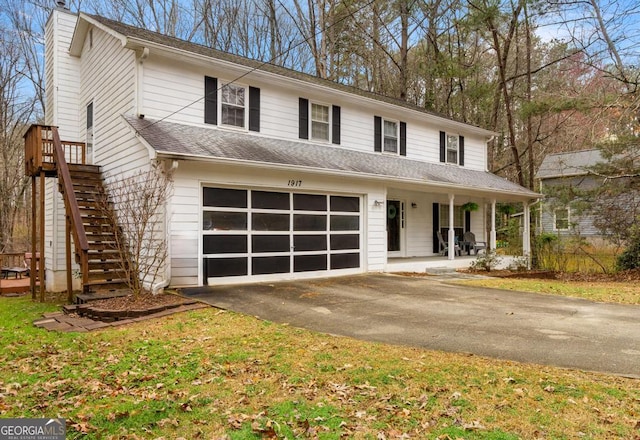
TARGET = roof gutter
x,y
351,174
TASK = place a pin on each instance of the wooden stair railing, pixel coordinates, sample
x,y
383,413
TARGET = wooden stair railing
x,y
71,204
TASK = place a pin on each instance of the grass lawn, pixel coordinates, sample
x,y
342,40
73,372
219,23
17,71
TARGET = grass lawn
x,y
212,374
615,292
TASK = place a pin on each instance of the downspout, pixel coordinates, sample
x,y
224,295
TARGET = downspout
x,y
167,209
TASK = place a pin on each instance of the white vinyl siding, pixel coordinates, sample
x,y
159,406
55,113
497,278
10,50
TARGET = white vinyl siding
x,y
174,91
112,92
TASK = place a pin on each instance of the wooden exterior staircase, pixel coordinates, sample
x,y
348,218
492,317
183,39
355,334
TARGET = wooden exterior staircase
x,y
89,219
105,268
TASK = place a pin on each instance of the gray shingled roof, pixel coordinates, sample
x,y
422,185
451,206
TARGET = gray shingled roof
x,y
574,163
173,139
176,43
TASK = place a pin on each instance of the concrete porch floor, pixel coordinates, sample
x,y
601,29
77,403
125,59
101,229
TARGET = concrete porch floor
x,y
437,263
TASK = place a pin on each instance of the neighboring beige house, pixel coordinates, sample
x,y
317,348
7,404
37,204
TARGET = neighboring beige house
x,y
278,174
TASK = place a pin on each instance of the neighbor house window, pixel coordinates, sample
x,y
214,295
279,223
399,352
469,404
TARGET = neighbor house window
x,y
233,105
561,219
452,149
319,122
390,136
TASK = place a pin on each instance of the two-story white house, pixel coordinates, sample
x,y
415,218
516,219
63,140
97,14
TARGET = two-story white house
x,y
278,174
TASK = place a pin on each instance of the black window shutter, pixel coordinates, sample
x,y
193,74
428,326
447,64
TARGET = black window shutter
x,y
443,146
403,138
210,100
436,227
303,127
461,152
467,221
254,109
335,122
377,133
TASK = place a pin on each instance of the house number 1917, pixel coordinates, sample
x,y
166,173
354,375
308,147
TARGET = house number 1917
x,y
292,182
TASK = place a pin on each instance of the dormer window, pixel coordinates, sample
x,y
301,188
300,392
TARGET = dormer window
x,y
233,105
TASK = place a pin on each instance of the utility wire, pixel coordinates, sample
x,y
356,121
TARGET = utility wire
x,y
264,63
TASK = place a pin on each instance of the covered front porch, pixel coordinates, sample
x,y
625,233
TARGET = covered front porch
x,y
431,227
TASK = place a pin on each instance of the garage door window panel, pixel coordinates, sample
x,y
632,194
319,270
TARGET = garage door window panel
x,y
225,244
310,243
345,222
345,261
309,222
309,202
224,221
270,200
270,265
309,263
226,267
345,204
225,197
270,243
344,241
269,222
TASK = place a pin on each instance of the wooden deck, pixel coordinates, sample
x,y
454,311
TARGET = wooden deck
x,y
14,285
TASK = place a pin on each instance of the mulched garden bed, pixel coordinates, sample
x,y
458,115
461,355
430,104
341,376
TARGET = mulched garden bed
x,y
128,307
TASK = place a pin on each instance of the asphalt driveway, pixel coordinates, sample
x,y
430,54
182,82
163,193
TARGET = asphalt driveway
x,y
431,313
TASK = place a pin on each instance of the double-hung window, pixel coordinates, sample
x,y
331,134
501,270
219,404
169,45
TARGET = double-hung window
x,y
390,136
452,149
319,122
233,104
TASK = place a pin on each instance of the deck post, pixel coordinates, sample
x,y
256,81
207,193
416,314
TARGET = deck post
x,y
34,236
492,233
34,257
68,257
452,232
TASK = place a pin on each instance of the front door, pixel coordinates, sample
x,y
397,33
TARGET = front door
x,y
395,226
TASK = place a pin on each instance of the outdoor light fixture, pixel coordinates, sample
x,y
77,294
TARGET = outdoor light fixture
x,y
378,203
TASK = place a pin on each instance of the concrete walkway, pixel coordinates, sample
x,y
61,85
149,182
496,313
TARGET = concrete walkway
x,y
431,313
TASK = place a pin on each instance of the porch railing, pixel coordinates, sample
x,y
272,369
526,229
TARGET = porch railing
x,y
71,204
39,150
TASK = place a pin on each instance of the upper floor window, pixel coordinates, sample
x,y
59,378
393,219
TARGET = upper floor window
x,y
233,105
561,219
319,122
451,148
390,136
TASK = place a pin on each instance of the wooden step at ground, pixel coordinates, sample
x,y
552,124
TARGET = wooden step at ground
x,y
84,167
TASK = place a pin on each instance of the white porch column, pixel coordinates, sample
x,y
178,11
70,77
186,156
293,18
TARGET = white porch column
x,y
492,233
452,232
526,235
